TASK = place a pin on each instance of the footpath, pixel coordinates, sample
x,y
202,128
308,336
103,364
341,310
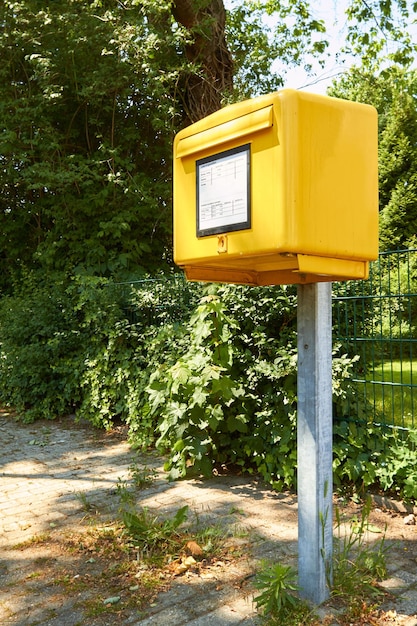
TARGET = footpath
x,y
51,471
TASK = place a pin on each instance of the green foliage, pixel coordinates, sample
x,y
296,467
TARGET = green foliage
x,y
165,541
377,319
225,400
396,277
358,564
211,385
267,38
397,471
149,533
117,360
367,455
88,109
91,94
378,32
67,346
39,341
278,584
231,396
357,450
398,172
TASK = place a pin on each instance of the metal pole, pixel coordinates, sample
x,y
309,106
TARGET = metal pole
x,y
314,440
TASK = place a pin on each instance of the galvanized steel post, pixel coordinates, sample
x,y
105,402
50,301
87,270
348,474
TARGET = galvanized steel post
x,y
314,440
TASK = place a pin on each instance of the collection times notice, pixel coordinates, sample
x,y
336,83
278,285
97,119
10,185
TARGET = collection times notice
x,y
223,192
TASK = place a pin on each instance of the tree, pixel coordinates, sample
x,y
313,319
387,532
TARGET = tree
x,y
88,111
268,37
398,165
91,94
379,34
206,50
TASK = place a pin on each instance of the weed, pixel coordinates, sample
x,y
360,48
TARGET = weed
x,y
125,496
142,476
239,531
83,500
300,615
356,564
139,478
149,533
235,510
278,584
211,540
133,560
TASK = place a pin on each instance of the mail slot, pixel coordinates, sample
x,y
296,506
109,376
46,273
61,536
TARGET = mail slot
x,y
279,189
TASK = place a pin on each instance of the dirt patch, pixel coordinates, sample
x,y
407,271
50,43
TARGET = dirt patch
x,y
99,576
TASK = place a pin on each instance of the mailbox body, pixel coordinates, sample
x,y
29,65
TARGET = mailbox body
x,y
279,189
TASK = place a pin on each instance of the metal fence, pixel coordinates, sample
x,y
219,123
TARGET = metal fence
x,y
157,301
376,320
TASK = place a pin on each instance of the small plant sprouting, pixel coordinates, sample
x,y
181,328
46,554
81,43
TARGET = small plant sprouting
x,y
125,495
142,476
149,532
85,504
356,564
139,478
277,583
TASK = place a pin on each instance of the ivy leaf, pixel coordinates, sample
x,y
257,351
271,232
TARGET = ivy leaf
x,y
199,397
180,374
237,423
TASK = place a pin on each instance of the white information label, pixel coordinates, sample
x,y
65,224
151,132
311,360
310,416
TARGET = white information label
x,y
223,192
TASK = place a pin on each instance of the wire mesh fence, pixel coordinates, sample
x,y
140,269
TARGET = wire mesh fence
x,y
156,301
376,321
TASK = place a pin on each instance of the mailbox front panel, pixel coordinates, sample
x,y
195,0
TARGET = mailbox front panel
x,y
255,130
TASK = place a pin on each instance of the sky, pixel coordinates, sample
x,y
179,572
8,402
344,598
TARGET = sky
x,y
333,14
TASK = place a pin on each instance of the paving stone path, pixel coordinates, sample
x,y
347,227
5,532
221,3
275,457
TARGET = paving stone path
x,y
49,471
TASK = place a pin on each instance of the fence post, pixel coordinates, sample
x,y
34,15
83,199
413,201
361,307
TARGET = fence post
x,y
314,440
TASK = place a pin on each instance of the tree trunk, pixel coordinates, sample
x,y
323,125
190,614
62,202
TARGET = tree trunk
x,y
213,78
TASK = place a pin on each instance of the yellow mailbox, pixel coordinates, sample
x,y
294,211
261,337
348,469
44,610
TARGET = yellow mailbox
x,y
279,189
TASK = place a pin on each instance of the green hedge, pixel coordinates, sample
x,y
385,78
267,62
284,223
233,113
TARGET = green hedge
x,y
205,373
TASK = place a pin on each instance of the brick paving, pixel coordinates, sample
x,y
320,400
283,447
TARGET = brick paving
x,y
50,471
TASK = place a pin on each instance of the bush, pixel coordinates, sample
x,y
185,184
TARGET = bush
x,y
370,456
38,349
139,331
67,345
212,384
231,396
